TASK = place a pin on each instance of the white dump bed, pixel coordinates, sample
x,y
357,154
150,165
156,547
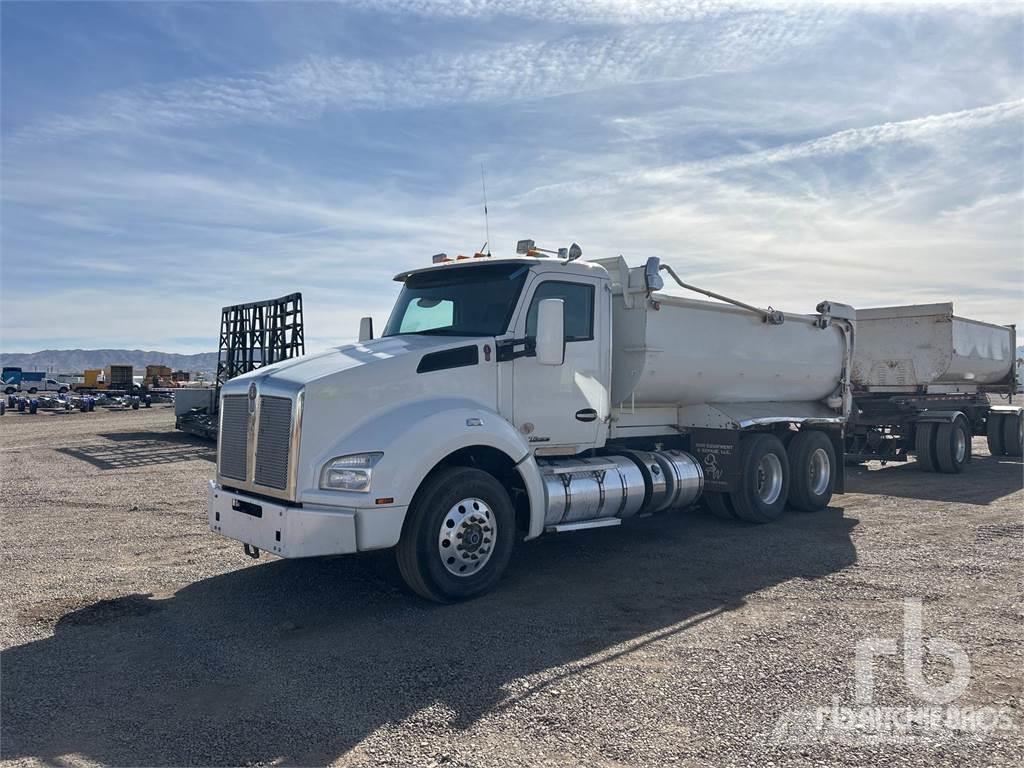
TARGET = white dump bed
x,y
926,345
673,351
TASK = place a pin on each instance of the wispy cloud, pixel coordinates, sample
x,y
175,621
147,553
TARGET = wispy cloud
x,y
655,11
492,75
780,152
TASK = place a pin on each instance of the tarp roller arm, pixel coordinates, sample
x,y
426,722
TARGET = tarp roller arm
x,y
770,316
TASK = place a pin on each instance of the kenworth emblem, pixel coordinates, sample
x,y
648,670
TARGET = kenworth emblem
x,y
252,398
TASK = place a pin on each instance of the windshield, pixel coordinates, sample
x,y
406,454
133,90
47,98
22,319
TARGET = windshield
x,y
467,301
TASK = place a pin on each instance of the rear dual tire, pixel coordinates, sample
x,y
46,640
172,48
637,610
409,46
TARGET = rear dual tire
x,y
772,476
943,447
812,459
764,482
1005,433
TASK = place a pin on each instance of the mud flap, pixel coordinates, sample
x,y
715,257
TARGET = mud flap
x,y
717,450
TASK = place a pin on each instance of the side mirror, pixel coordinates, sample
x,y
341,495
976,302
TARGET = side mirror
x,y
365,329
551,332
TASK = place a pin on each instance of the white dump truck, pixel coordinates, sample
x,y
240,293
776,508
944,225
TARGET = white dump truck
x,y
512,397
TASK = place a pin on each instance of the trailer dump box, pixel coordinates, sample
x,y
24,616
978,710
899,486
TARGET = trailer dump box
x,y
926,347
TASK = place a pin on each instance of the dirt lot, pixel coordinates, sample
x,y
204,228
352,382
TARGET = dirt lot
x,y
132,636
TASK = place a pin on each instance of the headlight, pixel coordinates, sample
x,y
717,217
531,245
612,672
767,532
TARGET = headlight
x,y
349,473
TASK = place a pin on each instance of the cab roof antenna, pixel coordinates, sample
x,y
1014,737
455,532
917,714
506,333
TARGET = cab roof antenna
x,y
487,225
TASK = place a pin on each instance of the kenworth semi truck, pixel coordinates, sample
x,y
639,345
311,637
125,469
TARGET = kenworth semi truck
x,y
512,397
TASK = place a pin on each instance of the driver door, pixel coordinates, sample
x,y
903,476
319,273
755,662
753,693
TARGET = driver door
x,y
563,409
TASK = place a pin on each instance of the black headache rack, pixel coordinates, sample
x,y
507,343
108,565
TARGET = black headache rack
x,y
252,335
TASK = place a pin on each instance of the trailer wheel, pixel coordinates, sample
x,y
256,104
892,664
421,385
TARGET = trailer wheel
x,y
924,446
721,506
458,535
812,462
32,390
1013,434
953,446
994,433
764,479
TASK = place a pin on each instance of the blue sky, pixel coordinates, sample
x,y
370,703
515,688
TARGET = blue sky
x,y
162,160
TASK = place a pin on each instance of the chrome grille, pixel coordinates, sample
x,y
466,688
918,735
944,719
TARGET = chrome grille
x,y
273,445
234,437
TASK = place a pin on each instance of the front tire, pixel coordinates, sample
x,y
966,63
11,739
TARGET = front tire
x,y
32,390
812,462
458,535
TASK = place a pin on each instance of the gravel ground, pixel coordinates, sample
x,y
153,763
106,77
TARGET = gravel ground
x,y
133,636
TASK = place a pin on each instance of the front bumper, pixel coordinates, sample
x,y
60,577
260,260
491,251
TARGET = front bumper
x,y
286,531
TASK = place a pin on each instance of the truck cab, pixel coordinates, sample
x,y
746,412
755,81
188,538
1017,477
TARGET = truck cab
x,y
561,406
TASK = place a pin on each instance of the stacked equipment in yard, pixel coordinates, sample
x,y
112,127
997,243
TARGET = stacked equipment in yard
x,y
158,376
120,377
94,378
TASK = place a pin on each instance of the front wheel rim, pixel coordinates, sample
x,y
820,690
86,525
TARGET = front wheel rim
x,y
820,471
769,478
467,537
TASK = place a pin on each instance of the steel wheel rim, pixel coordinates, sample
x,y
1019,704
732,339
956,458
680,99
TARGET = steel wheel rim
x,y
466,540
769,478
959,445
820,471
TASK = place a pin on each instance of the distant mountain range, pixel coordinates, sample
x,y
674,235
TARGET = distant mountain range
x,y
77,360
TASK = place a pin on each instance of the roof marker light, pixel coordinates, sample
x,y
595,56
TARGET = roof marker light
x,y
439,258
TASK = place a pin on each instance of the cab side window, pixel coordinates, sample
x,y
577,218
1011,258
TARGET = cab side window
x,y
579,308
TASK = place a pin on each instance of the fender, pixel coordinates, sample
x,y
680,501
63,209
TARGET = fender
x,y
414,437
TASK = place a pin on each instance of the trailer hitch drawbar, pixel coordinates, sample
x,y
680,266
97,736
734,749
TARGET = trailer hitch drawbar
x,y
251,551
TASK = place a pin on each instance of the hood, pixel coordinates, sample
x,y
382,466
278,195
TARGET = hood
x,y
300,371
349,387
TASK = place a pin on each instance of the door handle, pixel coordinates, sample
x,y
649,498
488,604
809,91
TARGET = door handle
x,y
586,414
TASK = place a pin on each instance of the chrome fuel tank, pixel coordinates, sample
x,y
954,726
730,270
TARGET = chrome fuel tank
x,y
580,489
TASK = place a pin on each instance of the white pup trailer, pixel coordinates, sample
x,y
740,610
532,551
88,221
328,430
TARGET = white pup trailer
x,y
512,397
923,382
